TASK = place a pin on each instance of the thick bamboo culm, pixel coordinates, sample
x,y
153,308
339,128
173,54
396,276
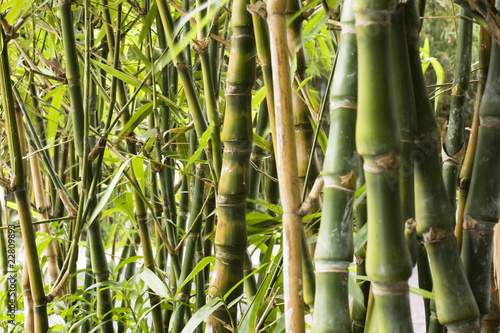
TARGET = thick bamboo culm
x,y
482,210
388,262
334,249
18,186
454,144
484,50
231,235
287,168
406,116
455,305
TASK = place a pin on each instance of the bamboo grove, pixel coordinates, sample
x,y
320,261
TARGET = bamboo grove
x,y
246,166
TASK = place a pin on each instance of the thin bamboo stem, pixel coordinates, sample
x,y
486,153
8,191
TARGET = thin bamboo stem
x,y
287,167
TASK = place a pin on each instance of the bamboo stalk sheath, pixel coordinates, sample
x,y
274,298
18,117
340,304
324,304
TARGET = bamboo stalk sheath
x,y
335,248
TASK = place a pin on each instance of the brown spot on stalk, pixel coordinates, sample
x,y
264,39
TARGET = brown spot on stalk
x,y
348,180
410,225
389,161
359,261
434,234
469,223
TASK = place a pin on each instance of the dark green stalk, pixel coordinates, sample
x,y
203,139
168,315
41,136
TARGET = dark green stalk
x,y
406,116
261,32
358,312
484,51
201,47
231,235
379,142
482,209
455,305
454,145
335,243
73,74
18,186
194,229
257,156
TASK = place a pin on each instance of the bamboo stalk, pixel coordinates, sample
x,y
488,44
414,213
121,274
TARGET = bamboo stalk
x,y
379,142
484,51
19,188
455,306
482,210
454,144
231,235
335,243
287,167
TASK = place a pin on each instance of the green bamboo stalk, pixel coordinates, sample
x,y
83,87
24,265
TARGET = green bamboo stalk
x,y
406,116
482,210
379,142
201,46
194,229
484,50
231,236
261,32
335,243
287,167
20,193
72,74
358,312
257,156
455,306
454,145
29,314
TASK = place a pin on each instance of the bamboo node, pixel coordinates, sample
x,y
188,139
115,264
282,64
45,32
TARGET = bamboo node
x,y
259,9
348,180
388,162
360,261
434,234
410,225
200,46
390,288
180,66
469,223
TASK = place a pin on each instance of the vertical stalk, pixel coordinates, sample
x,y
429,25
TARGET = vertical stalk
x,y
378,141
287,167
455,305
454,145
335,243
482,210
406,116
18,186
231,234
484,51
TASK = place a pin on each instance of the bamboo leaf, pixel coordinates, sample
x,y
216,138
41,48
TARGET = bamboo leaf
x,y
360,238
258,97
142,113
125,77
422,292
261,142
104,199
356,292
199,267
202,314
154,282
273,208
